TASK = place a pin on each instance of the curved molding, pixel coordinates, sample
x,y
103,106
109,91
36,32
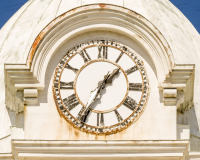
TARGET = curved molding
x,y
96,17
100,17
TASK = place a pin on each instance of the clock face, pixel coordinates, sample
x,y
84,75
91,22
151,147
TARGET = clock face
x,y
100,87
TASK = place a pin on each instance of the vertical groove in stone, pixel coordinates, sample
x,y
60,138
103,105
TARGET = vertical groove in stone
x,y
58,8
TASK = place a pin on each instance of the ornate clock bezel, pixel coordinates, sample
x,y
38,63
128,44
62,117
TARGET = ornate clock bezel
x,y
97,129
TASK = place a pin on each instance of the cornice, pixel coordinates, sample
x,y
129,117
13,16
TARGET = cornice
x,y
35,149
178,87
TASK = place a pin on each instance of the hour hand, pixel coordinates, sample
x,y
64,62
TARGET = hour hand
x,y
111,76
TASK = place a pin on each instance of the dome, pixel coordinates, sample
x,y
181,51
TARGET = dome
x,y
176,28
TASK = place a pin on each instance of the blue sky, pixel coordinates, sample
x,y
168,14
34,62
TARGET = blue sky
x,y
190,8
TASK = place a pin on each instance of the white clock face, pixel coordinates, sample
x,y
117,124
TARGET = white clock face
x,y
100,87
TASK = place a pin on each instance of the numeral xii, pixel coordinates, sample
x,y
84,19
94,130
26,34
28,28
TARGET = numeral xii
x,y
103,49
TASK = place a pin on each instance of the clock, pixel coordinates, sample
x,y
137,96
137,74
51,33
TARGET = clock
x,y
101,86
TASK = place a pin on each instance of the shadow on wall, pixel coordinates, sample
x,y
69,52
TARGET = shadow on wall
x,y
189,118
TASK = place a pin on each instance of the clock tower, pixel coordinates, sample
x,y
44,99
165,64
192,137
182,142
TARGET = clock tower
x,y
101,79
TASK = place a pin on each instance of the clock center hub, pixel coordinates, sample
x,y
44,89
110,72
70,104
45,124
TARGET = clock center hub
x,y
112,96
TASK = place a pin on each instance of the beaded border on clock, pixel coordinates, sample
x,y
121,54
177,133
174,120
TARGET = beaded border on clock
x,y
105,129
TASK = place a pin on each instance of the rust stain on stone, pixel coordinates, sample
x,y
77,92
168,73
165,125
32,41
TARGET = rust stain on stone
x,y
73,10
78,9
76,133
102,5
50,25
33,48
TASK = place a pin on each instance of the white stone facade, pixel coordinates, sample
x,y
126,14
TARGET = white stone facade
x,y
35,39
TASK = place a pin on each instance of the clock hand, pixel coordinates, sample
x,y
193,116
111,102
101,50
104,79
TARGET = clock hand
x,y
114,73
96,93
94,96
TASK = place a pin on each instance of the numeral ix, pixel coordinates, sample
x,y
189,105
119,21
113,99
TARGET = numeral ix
x,y
66,85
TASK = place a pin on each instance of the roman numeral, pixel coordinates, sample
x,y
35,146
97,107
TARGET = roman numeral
x,y
100,119
131,70
130,103
85,56
119,118
61,64
117,60
66,85
71,68
105,52
80,116
135,86
71,102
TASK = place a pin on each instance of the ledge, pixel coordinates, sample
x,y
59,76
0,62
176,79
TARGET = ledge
x,y
34,149
6,156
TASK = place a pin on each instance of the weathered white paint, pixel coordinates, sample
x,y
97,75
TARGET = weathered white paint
x,y
146,128
182,37
183,132
170,93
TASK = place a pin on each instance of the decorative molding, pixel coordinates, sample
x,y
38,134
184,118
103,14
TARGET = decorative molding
x,y
75,22
170,96
100,17
30,96
21,87
35,149
178,87
6,156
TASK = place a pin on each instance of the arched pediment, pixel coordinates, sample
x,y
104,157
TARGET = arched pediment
x,y
85,19
100,17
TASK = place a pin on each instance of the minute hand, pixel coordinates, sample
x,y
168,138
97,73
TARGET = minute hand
x,y
94,96
96,93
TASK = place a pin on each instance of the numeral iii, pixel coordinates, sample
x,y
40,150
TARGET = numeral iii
x,y
135,86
